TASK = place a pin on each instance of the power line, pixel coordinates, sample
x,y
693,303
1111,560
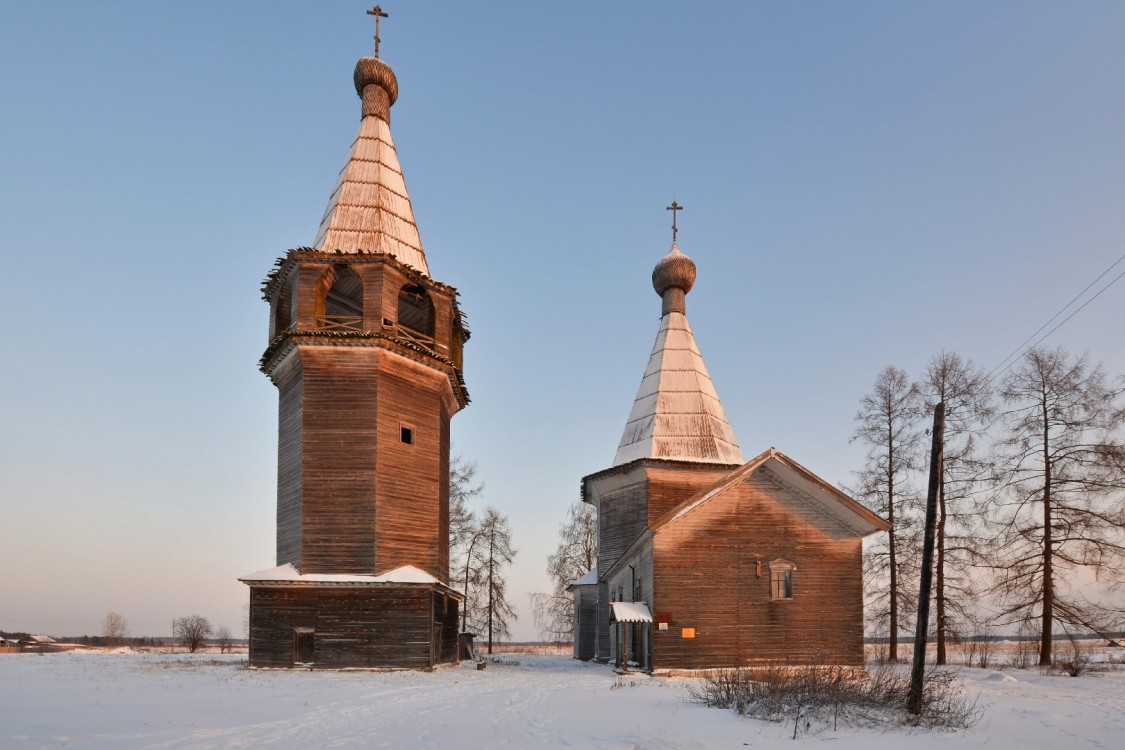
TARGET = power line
x,y
1001,368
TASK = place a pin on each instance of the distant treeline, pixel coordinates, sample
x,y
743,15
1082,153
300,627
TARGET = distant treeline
x,y
1117,637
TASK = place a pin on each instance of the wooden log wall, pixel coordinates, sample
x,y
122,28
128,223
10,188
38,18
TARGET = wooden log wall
x,y
353,627
628,499
412,514
707,578
585,621
289,436
340,399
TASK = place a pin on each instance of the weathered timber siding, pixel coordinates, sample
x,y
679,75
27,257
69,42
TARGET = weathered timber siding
x,y
636,564
353,627
411,520
585,621
706,577
622,516
339,457
628,500
289,466
670,486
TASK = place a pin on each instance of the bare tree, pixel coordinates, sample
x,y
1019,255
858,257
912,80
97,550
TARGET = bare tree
x,y
496,552
193,631
575,556
1062,505
114,628
463,487
887,426
223,639
969,410
465,564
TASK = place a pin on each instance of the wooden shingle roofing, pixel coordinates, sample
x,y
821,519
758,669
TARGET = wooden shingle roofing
x,y
677,414
369,209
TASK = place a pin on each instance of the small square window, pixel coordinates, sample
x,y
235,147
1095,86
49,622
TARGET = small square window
x,y
408,435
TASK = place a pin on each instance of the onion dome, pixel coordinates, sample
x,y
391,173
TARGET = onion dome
x,y
376,85
673,278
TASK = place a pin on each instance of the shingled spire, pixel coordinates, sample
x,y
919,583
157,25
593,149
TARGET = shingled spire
x,y
370,210
677,413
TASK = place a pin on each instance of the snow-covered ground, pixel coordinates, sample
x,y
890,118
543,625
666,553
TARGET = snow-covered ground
x,y
99,700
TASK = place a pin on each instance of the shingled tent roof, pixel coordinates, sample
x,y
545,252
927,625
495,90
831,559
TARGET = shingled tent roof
x,y
677,413
370,210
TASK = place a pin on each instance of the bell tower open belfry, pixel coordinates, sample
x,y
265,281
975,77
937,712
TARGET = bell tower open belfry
x,y
365,350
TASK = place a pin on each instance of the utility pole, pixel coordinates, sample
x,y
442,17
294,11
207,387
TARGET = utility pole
x,y
917,672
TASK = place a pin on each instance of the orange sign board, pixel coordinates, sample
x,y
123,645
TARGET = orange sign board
x,y
687,633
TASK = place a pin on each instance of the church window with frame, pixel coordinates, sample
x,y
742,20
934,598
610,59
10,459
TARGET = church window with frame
x,y
781,579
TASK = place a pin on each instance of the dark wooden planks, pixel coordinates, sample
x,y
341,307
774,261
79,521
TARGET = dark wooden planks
x,y
353,627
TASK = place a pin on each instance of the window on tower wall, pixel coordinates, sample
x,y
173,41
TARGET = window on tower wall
x,y
781,579
343,304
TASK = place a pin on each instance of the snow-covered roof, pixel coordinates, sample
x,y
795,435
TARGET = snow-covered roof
x,y
587,580
813,495
40,639
631,612
369,208
288,574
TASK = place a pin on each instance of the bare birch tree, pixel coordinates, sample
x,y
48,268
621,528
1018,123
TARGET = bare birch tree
x,y
887,420
496,553
964,390
1062,505
575,556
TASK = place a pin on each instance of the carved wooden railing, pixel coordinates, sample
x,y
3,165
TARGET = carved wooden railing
x,y
340,323
415,336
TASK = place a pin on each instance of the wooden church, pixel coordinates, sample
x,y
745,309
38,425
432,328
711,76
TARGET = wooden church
x,y
365,351
704,560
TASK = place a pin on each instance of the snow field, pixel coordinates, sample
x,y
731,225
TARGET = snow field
x,y
98,700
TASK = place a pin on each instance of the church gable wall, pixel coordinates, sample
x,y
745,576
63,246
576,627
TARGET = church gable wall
x,y
712,576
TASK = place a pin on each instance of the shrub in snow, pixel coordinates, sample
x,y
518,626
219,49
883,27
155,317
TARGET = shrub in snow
x,y
827,696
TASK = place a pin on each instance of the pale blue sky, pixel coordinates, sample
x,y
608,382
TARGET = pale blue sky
x,y
865,183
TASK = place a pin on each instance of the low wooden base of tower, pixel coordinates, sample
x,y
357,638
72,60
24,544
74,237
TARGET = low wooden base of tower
x,y
347,627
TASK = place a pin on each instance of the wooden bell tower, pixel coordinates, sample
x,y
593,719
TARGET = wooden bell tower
x,y
365,350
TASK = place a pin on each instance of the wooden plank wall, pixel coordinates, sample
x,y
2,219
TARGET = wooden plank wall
x,y
670,486
585,621
411,519
289,466
372,627
627,502
339,409
706,577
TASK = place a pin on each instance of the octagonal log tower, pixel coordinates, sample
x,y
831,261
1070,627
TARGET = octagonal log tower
x,y
366,352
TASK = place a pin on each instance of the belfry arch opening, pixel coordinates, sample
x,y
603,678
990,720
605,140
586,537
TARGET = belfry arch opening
x,y
343,302
416,314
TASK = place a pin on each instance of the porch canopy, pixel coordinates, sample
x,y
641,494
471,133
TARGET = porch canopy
x,y
630,612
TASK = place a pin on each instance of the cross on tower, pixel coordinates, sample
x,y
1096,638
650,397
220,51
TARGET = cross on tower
x,y
377,11
674,208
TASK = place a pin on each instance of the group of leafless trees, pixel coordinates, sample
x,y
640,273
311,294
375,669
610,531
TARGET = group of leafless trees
x,y
192,632
480,548
576,555
1031,497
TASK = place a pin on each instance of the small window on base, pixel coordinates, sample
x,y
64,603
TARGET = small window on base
x,y
408,435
